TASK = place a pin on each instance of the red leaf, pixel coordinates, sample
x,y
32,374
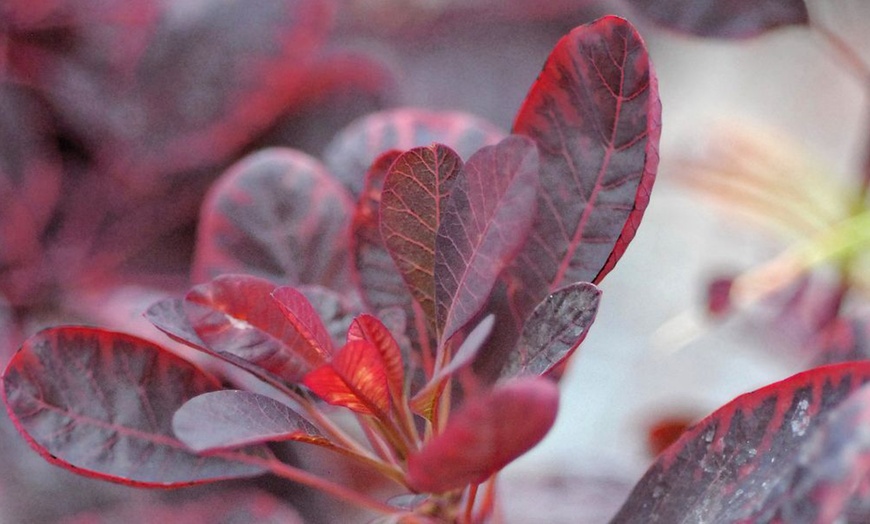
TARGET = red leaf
x,y
484,435
276,214
100,403
554,330
484,223
595,113
231,419
714,18
302,315
412,204
356,147
370,329
356,379
235,314
729,466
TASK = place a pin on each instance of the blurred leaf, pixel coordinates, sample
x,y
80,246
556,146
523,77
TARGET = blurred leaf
x,y
356,147
484,223
715,18
231,419
100,404
737,462
279,215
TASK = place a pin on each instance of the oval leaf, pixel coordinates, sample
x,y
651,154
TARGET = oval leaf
x,y
356,147
554,330
356,379
304,318
231,419
235,314
714,18
412,204
100,403
731,464
277,214
484,435
488,213
595,113
372,330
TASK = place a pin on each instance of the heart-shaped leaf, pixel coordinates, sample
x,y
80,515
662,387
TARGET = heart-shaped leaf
x,y
488,213
235,314
413,200
554,330
372,330
231,419
740,460
356,147
485,434
277,214
100,403
356,378
713,18
595,114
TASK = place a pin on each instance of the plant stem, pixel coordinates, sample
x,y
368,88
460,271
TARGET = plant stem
x,y
469,503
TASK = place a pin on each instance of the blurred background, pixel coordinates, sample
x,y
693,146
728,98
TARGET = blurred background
x,y
116,115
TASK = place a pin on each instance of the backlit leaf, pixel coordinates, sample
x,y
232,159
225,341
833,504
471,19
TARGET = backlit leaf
x,y
715,18
595,114
302,315
356,147
484,223
412,203
235,314
100,403
356,379
486,434
231,419
554,330
372,330
276,214
738,461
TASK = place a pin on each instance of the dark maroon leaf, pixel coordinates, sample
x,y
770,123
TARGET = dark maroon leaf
x,y
484,223
554,330
100,403
276,214
355,149
356,379
732,464
226,507
302,315
412,203
485,434
842,340
232,419
724,19
595,113
235,314
30,176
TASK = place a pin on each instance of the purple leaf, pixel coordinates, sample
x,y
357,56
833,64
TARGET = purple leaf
x,y
276,214
488,213
100,404
484,435
230,419
235,314
355,149
334,309
554,330
731,465
412,204
731,19
595,113
168,315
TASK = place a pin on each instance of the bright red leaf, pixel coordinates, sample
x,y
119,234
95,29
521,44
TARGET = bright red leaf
x,y
731,19
412,203
484,223
595,114
372,330
100,403
356,378
302,315
486,434
276,214
738,461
